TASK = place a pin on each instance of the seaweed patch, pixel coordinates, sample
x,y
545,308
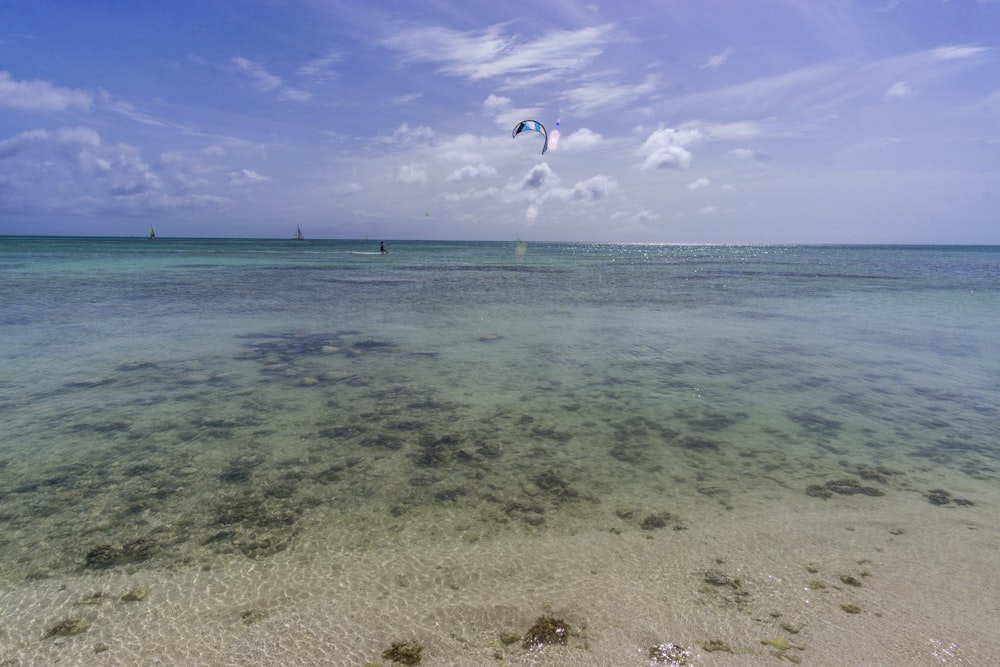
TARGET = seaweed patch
x,y
844,487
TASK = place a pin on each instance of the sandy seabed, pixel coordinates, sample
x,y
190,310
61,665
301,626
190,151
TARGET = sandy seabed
x,y
811,583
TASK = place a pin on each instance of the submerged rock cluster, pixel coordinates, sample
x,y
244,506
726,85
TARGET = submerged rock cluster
x,y
944,497
404,653
108,555
546,630
68,628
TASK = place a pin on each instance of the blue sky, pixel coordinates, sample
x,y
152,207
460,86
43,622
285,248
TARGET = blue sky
x,y
777,121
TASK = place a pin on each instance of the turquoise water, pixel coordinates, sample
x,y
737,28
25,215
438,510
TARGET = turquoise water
x,y
177,402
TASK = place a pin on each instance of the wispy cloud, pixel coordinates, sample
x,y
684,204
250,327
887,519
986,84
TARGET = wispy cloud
x,y
812,86
321,68
492,53
130,112
958,51
406,98
719,59
586,99
262,80
819,90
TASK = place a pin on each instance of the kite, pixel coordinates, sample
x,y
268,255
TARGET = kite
x,y
532,126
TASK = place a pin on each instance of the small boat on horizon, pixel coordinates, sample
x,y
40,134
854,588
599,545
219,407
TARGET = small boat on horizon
x,y
152,234
298,234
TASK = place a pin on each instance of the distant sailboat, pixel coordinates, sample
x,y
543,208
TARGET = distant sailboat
x,y
298,234
152,234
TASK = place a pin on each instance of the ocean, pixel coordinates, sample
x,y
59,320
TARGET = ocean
x,y
229,452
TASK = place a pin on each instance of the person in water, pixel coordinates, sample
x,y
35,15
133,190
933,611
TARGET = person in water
x,y
382,248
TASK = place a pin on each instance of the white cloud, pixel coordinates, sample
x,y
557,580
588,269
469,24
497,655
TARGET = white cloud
x,y
471,171
666,148
411,173
347,189
748,154
188,183
406,135
667,156
699,183
134,178
898,89
592,189
67,138
707,210
501,110
79,136
738,130
171,157
72,170
40,96
16,144
719,59
535,178
645,215
496,104
470,194
581,140
246,177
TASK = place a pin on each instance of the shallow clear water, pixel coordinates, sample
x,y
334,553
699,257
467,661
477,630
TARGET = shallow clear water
x,y
176,403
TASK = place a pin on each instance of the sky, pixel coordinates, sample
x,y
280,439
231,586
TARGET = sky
x,y
669,121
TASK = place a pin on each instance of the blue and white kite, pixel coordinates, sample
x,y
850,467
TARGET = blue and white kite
x,y
532,126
